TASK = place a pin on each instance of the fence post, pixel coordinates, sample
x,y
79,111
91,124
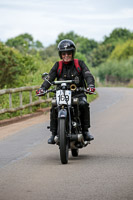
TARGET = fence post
x,y
21,101
10,100
30,93
48,95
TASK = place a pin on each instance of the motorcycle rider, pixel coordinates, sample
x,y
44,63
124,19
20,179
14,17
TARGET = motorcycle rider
x,y
66,50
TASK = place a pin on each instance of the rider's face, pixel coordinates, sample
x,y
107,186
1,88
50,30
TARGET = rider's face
x,y
66,56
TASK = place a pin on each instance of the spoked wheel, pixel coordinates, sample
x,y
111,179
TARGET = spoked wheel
x,y
63,141
75,152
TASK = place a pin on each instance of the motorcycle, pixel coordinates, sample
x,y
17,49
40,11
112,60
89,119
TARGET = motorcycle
x,y
69,132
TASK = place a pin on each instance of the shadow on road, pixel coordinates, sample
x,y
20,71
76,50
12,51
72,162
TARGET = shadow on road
x,y
54,159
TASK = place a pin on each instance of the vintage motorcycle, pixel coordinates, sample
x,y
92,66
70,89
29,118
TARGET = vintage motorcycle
x,y
69,131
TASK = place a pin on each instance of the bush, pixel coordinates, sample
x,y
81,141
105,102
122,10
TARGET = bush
x,y
122,51
116,71
14,67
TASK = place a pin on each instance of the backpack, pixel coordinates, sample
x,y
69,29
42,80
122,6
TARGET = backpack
x,y
76,63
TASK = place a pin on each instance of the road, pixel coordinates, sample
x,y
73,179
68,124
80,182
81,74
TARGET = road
x,y
30,169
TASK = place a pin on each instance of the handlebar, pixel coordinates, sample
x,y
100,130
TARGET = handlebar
x,y
47,91
80,89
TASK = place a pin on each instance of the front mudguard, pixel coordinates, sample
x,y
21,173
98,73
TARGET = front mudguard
x,y
62,114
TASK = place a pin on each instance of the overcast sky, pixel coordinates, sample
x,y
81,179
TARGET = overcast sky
x,y
46,19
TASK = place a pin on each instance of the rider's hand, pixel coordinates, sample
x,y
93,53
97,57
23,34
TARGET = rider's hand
x,y
40,91
90,90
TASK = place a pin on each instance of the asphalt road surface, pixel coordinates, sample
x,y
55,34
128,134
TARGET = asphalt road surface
x,y
30,169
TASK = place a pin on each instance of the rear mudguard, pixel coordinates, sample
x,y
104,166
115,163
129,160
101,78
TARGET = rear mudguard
x,y
62,114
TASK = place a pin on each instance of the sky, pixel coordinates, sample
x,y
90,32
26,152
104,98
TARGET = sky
x,y
46,19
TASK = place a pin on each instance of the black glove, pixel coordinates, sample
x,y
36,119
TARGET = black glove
x,y
40,91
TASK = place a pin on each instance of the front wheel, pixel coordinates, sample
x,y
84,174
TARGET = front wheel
x,y
63,141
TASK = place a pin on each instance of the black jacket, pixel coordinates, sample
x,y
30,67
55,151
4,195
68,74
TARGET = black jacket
x,y
69,72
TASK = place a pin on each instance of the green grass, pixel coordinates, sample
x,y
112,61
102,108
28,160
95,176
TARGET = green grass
x,y
92,97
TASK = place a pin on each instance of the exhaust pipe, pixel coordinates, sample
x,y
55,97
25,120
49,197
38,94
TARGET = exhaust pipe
x,y
56,139
77,137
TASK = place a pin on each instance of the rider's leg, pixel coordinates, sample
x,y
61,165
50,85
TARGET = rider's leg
x,y
85,118
53,125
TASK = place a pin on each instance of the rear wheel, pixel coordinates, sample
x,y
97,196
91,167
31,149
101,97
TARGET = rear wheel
x,y
63,141
75,152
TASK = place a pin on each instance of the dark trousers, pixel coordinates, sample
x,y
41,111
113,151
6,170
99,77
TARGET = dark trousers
x,y
84,115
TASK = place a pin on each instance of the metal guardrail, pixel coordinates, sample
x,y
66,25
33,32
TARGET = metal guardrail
x,y
21,107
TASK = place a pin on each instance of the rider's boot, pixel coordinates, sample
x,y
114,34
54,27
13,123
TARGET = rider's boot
x,y
51,139
87,136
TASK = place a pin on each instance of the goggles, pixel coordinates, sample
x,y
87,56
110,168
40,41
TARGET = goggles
x,y
66,53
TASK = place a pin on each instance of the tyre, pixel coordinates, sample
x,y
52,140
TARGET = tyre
x,y
63,141
75,152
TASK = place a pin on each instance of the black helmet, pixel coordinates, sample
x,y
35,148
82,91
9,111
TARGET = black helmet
x,y
66,45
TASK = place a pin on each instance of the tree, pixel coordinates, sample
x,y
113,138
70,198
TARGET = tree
x,y
50,51
84,45
13,65
70,35
100,54
24,43
80,56
38,45
122,51
118,35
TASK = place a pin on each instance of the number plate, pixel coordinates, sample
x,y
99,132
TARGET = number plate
x,y
63,97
